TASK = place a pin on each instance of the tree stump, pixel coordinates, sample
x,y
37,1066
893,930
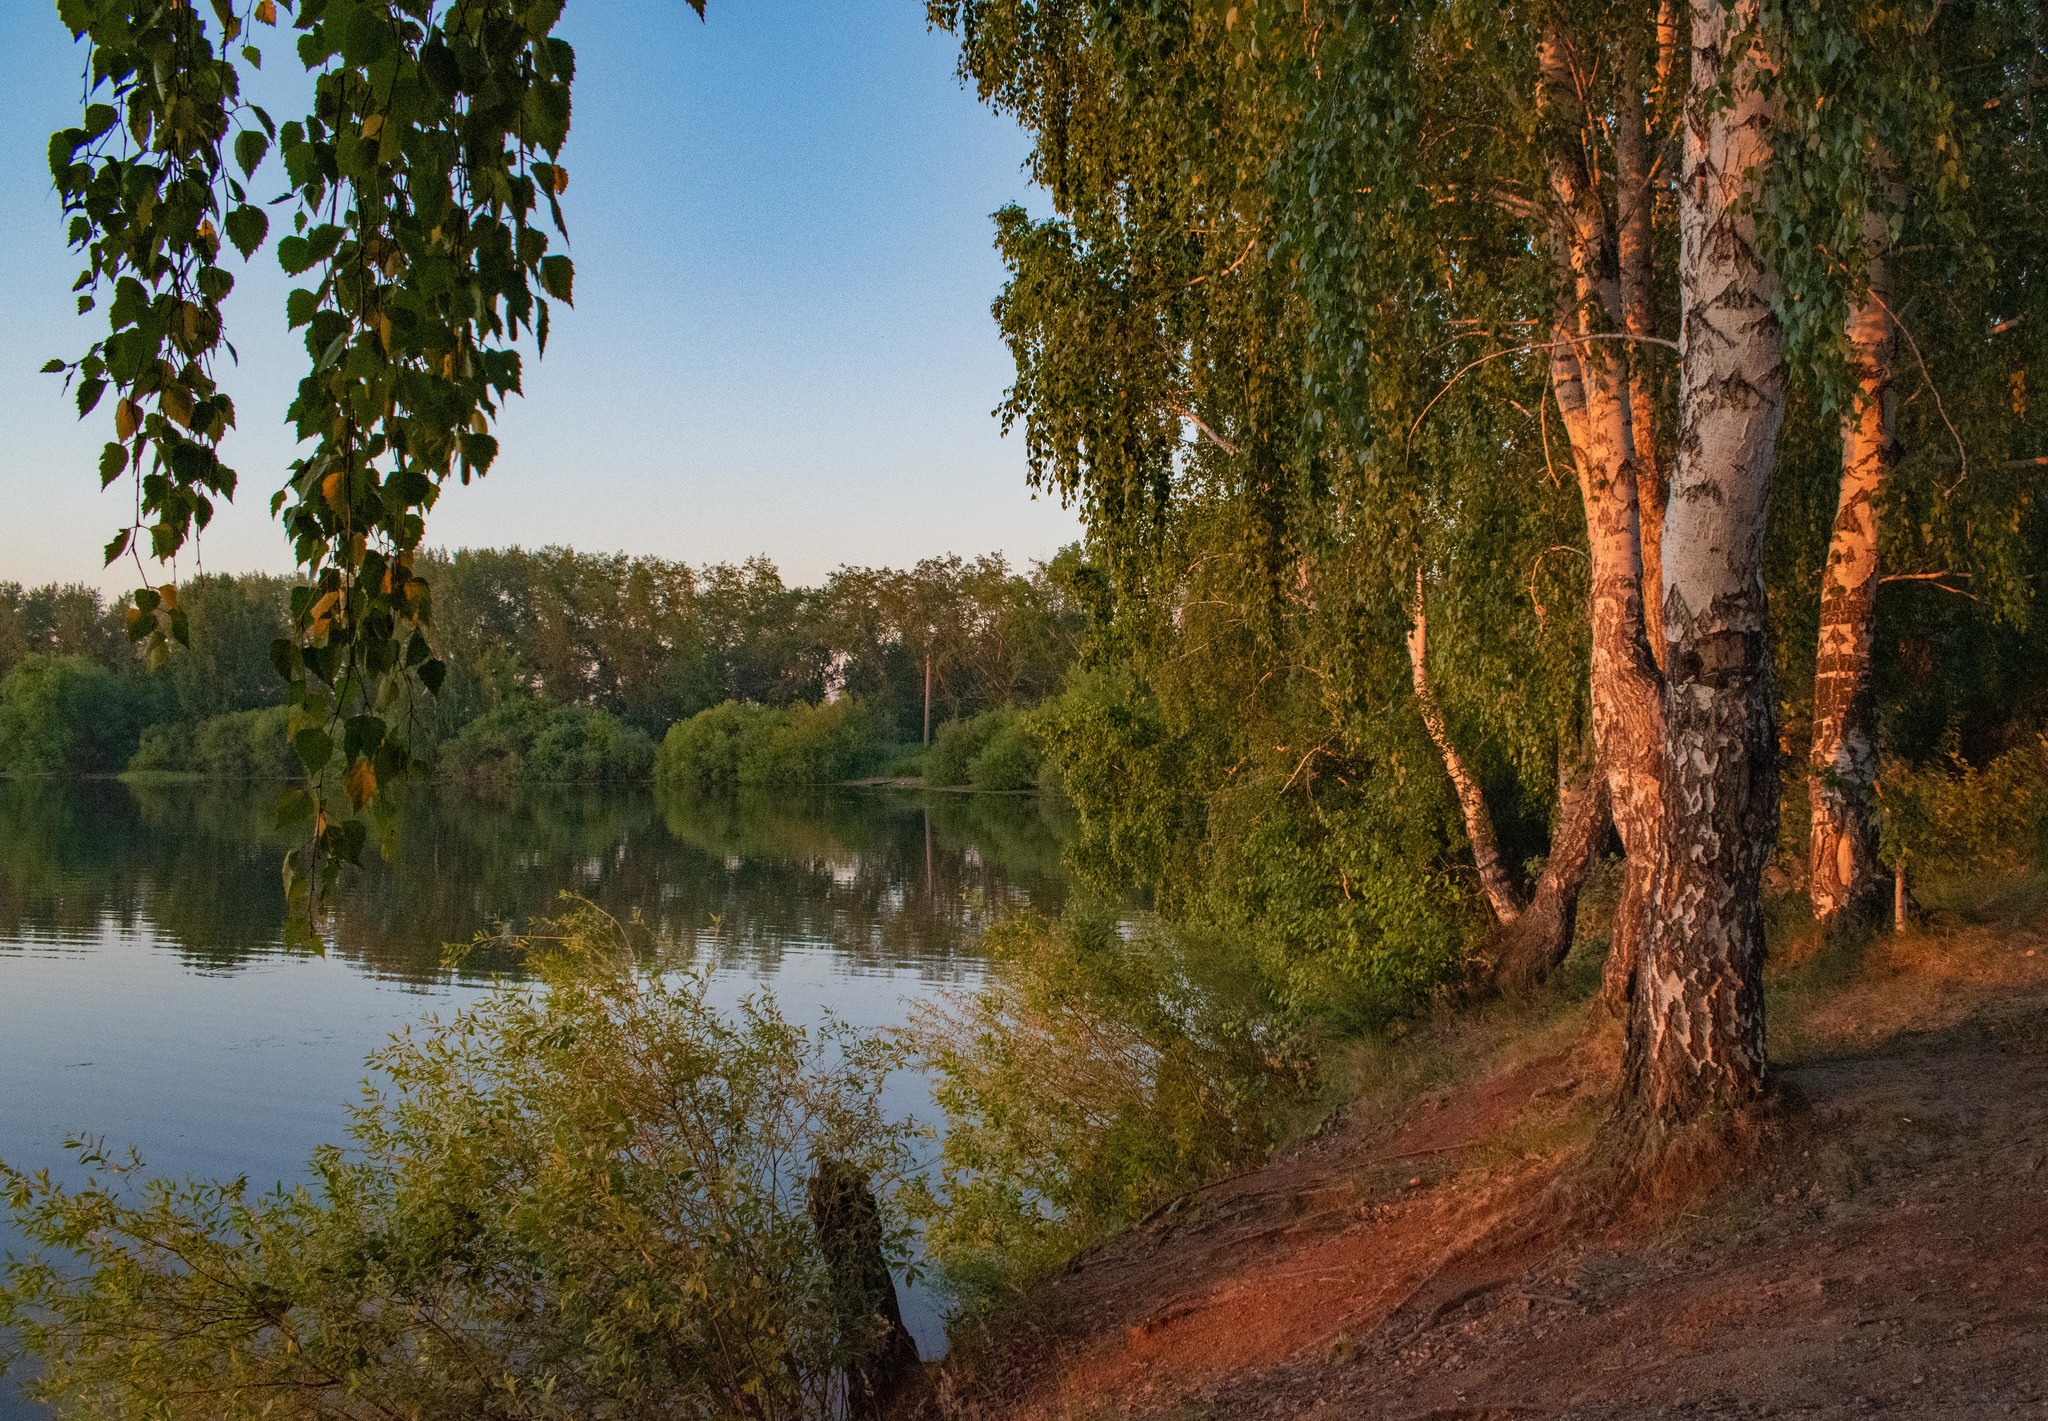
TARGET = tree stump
x,y
880,1355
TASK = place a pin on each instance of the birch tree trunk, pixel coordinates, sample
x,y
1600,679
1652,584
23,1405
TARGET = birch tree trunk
x,y
1534,945
1501,894
1530,939
1634,195
1845,878
1591,380
1695,1037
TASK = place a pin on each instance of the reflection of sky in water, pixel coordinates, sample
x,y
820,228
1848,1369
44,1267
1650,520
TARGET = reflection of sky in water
x,y
222,1054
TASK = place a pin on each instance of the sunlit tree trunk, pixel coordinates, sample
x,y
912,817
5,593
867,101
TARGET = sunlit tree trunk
x,y
1845,878
927,694
1531,938
1634,195
1529,949
1501,892
1695,1038
1591,380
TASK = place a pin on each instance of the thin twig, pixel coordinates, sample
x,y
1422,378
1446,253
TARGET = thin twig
x,y
1525,350
1190,416
1932,579
1232,267
1962,452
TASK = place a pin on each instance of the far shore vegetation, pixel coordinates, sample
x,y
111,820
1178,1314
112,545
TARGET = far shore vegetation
x,y
572,668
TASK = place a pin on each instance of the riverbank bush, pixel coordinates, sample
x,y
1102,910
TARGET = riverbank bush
x,y
68,715
1102,1073
996,750
525,741
742,745
241,745
578,1202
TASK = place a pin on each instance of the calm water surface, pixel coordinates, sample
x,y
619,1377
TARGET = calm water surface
x,y
147,994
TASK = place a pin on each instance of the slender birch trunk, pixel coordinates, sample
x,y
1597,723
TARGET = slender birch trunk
x,y
1531,938
1635,257
1845,878
1695,1038
1536,944
1501,893
1635,196
1592,383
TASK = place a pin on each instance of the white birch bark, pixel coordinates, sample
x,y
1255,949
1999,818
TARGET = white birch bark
x,y
1695,1039
1843,872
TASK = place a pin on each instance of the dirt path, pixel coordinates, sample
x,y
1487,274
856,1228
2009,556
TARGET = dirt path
x,y
1891,1259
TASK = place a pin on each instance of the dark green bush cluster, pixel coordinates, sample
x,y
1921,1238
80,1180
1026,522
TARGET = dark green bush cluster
x,y
581,1202
240,745
526,741
739,744
68,715
996,750
1955,820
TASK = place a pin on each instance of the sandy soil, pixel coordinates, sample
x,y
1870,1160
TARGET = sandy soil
x,y
1888,1257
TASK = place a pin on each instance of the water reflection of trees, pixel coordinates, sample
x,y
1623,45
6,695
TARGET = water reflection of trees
x,y
884,881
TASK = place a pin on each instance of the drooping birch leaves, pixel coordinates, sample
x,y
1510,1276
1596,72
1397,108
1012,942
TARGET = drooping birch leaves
x,y
423,188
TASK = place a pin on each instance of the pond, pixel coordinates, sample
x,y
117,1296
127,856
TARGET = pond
x,y
148,994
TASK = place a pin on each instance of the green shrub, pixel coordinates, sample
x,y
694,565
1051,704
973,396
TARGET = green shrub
x,y
244,745
808,745
996,750
704,751
1097,1076
163,748
576,745
585,1200
1009,761
954,746
739,744
1954,820
66,715
526,741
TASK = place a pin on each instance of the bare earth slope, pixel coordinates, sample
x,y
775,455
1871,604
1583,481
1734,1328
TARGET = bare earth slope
x,y
1889,1257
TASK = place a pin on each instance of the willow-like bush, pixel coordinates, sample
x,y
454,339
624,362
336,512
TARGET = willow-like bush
x,y
1097,1076
582,1199
741,745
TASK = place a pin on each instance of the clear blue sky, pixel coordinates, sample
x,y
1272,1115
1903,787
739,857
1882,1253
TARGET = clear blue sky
x,y
780,220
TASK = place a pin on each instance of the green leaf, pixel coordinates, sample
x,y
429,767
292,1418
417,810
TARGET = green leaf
x,y
558,278
368,38
250,146
113,460
53,367
314,748
117,546
247,226
478,450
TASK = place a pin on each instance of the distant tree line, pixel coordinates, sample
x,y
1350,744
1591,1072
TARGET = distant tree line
x,y
561,664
